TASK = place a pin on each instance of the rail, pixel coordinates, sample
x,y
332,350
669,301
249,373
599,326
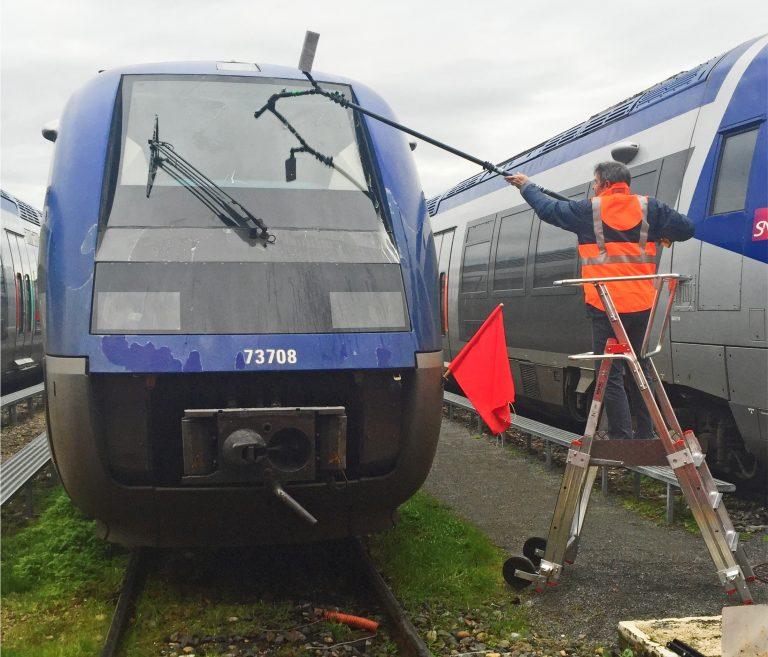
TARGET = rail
x,y
13,399
562,438
22,466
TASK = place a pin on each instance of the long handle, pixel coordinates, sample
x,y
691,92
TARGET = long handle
x,y
491,168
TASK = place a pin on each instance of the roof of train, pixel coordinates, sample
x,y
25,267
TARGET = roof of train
x,y
666,90
26,211
233,68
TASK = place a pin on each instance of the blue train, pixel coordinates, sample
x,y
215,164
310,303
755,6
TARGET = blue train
x,y
699,142
240,313
20,322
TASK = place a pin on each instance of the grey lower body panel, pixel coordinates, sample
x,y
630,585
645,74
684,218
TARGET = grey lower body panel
x,y
171,516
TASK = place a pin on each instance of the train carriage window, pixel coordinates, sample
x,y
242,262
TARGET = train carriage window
x,y
21,305
556,248
645,184
438,245
475,270
555,255
30,305
38,318
477,250
511,251
736,152
480,233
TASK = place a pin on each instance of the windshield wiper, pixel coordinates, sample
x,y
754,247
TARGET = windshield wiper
x,y
163,155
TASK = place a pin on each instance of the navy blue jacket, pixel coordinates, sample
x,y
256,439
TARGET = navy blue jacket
x,y
576,217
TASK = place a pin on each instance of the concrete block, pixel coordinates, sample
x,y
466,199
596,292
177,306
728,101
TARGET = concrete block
x,y
745,631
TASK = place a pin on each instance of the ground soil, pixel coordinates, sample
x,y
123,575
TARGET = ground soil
x,y
13,438
628,567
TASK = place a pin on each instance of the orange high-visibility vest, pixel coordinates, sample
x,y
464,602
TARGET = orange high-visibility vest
x,y
621,248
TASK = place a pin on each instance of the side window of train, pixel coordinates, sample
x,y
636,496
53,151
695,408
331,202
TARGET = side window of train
x,y
512,252
477,250
438,244
735,160
556,252
443,265
671,177
18,283
645,178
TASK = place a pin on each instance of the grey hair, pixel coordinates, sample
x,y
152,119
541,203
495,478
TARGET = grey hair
x,y
613,172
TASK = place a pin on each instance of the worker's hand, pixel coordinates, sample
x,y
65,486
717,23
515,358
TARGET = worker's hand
x,y
666,242
518,179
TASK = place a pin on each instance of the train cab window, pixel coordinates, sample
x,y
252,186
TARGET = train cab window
x,y
477,250
733,172
511,251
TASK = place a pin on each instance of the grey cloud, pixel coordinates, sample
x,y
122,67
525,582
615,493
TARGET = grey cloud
x,y
490,78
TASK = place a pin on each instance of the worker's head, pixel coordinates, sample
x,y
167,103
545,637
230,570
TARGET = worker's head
x,y
608,173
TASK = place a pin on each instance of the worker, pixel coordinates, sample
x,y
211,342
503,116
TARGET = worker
x,y
617,233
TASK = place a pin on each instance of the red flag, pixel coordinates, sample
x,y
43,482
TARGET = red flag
x,y
481,368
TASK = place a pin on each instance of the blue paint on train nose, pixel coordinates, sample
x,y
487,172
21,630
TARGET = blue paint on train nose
x,y
139,357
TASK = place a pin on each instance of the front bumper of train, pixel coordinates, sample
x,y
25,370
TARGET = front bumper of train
x,y
173,512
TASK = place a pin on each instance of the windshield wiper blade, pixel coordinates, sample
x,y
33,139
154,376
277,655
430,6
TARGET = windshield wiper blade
x,y
163,155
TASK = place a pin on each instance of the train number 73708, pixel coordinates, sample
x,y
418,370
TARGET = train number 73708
x,y
269,356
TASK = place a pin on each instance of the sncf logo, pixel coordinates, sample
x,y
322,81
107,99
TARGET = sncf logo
x,y
760,225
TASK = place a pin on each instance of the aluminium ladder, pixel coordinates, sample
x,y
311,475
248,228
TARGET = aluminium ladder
x,y
543,562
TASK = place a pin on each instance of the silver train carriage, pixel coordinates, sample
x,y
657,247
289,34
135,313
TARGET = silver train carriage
x,y
697,141
20,330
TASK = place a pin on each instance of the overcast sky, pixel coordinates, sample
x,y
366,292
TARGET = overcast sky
x,y
491,78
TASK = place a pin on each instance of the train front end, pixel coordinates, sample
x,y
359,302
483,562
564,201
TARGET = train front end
x,y
211,383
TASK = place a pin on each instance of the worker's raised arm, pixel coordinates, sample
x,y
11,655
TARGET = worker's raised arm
x,y
567,215
667,225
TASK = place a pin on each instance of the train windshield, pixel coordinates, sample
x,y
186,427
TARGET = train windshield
x,y
166,263
210,121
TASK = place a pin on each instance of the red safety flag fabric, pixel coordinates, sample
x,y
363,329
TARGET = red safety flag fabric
x,y
481,368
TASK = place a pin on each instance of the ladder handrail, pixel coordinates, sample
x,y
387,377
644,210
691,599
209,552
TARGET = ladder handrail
x,y
659,280
613,279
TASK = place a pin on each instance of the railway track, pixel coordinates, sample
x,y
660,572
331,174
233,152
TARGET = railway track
x,y
399,625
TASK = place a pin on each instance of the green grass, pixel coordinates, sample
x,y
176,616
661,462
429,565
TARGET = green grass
x,y
58,584
436,561
653,504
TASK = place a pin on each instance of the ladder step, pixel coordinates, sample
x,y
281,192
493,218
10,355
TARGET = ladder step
x,y
732,538
716,498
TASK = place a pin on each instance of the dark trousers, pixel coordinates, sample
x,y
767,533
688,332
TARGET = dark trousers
x,y
617,405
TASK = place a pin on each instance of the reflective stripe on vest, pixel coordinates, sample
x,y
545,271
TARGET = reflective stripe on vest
x,y
622,257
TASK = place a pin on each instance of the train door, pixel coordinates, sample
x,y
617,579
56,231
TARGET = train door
x,y
444,246
719,316
728,286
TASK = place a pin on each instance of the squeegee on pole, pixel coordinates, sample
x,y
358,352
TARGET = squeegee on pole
x,y
305,65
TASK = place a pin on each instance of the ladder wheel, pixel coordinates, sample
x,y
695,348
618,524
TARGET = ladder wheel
x,y
518,563
532,546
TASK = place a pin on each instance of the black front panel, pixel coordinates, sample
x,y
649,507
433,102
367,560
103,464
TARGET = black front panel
x,y
143,419
247,298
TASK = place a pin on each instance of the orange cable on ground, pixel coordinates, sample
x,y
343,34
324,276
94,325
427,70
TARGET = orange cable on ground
x,y
353,621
